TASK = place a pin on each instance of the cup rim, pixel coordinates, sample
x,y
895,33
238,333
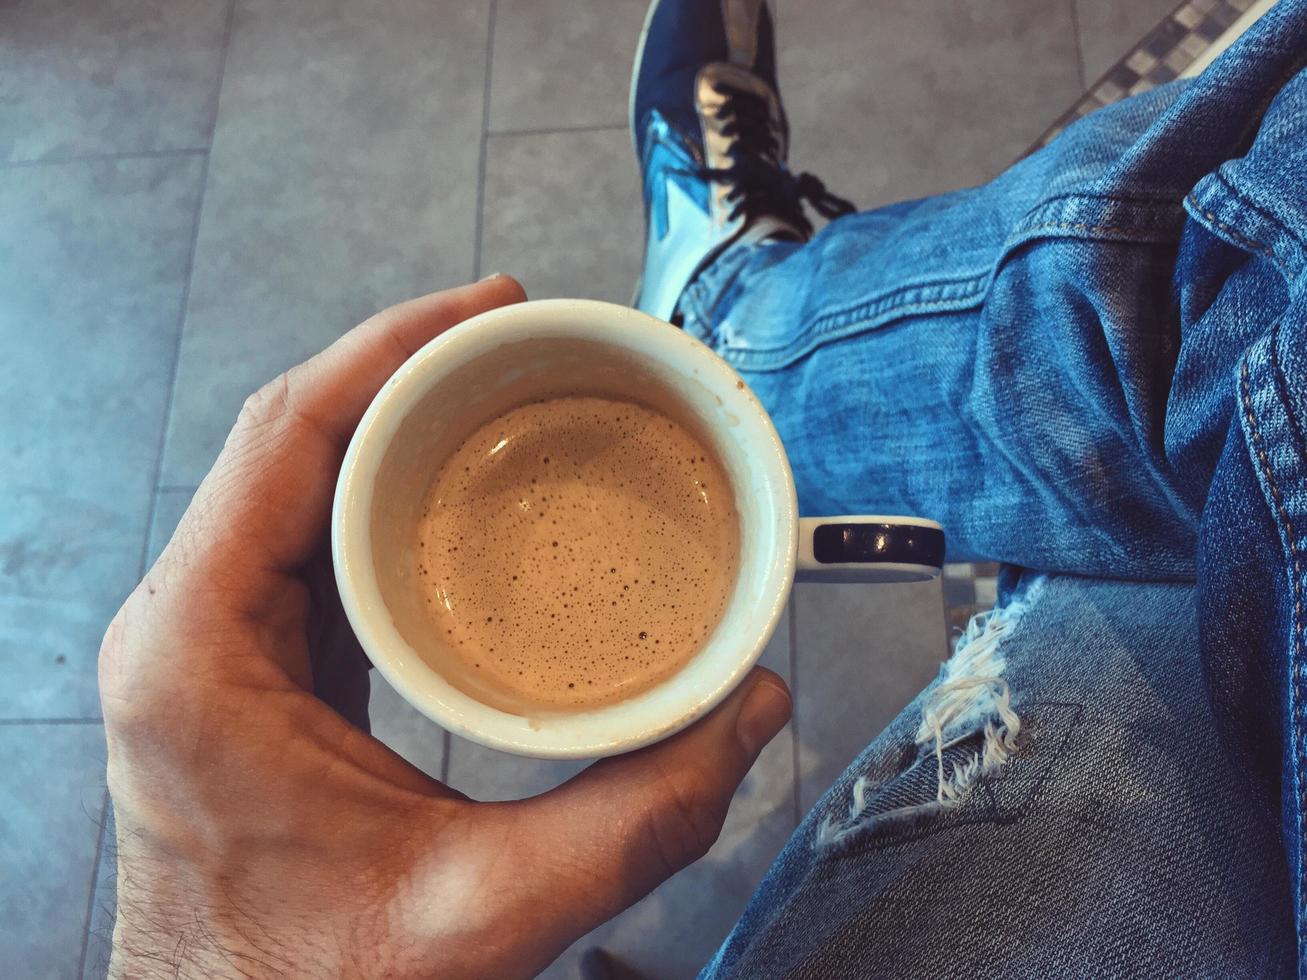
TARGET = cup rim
x,y
351,542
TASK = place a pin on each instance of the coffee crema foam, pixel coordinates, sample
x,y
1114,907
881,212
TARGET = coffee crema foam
x,y
577,551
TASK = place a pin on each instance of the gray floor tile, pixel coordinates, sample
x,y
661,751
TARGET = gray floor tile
x,y
563,62
1111,28
342,179
52,788
83,77
403,728
48,649
50,644
862,653
93,259
906,98
562,213
55,641
104,905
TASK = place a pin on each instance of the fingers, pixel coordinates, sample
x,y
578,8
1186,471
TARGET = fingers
x,y
266,503
616,831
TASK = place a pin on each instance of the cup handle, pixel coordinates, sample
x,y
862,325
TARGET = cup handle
x,y
869,549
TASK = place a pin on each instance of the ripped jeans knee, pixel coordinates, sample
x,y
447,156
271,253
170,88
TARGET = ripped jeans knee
x,y
969,728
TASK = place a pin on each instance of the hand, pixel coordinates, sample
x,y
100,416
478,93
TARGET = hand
x,y
262,834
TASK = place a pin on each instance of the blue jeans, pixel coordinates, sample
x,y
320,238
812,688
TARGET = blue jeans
x,y
1094,370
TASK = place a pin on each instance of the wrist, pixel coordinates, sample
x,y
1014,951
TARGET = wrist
x,y
173,930
179,918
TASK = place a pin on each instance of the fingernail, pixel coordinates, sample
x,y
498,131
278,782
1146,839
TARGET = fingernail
x,y
493,275
765,711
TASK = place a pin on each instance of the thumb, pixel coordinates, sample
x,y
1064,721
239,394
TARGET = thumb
x,y
620,828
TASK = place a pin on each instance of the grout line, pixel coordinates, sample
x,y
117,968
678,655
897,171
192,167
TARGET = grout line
x,y
95,877
170,402
551,130
1080,47
485,132
152,511
794,717
51,721
189,151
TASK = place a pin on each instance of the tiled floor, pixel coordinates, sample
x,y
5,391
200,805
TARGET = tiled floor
x,y
196,195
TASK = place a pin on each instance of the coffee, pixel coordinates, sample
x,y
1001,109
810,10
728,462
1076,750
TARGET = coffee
x,y
577,551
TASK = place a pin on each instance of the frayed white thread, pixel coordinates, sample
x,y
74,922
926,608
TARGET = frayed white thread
x,y
971,696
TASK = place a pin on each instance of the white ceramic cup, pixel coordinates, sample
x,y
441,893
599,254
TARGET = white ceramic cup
x,y
499,360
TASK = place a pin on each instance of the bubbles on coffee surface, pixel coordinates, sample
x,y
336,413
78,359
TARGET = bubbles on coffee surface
x,y
578,551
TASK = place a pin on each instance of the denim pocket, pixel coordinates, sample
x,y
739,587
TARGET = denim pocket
x,y
970,749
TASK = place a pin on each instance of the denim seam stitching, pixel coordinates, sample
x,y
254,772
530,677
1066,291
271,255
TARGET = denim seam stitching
x,y
1078,226
962,295
1146,212
890,307
1259,247
773,358
966,289
1300,717
1260,211
832,323
890,311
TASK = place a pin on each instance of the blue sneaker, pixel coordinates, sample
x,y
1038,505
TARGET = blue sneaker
x,y
711,138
